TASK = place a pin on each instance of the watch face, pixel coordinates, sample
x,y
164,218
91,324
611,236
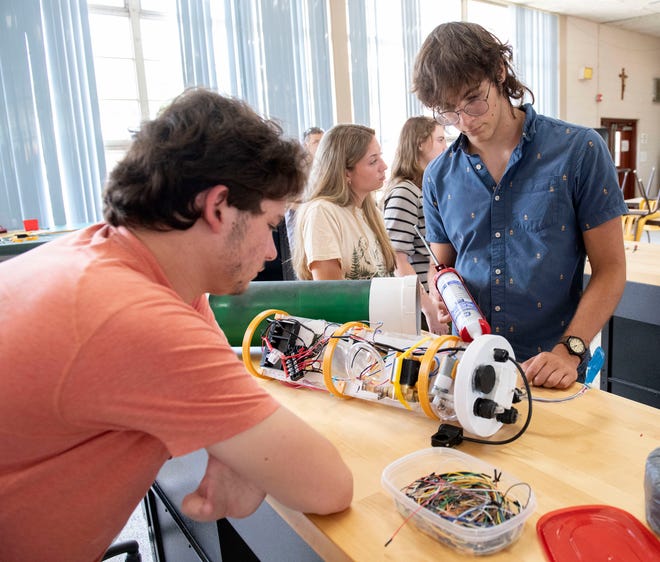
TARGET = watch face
x,y
576,345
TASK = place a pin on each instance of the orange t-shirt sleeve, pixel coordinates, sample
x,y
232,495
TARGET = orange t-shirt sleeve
x,y
185,386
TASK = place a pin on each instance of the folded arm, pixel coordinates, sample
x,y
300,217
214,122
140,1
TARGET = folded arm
x,y
282,456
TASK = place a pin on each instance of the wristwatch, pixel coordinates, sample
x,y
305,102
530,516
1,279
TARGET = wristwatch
x,y
575,346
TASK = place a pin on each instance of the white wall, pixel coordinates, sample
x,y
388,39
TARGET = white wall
x,y
607,49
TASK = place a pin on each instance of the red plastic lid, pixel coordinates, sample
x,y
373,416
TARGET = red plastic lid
x,y
596,532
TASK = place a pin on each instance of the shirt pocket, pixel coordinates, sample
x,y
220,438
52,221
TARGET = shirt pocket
x,y
535,204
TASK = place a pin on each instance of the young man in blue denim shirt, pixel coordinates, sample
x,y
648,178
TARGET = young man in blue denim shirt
x,y
517,203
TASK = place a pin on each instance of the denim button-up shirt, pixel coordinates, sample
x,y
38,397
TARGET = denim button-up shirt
x,y
519,243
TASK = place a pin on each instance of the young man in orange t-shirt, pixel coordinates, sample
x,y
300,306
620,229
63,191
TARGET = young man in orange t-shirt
x,y
113,361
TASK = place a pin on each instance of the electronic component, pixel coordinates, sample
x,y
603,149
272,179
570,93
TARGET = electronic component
x,y
433,375
24,237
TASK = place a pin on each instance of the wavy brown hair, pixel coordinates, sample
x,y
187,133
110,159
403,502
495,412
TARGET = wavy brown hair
x,y
201,140
460,54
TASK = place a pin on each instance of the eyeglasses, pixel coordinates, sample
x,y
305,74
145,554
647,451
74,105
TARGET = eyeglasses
x,y
473,108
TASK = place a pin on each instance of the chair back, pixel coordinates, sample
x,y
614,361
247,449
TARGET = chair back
x,y
649,185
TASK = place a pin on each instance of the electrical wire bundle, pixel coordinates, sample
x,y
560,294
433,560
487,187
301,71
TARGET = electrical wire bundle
x,y
468,499
296,356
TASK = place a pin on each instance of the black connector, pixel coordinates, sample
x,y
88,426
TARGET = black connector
x,y
409,372
484,408
484,379
500,355
447,436
508,416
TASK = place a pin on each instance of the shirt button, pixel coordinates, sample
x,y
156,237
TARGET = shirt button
x,y
497,198
498,308
497,235
498,271
478,166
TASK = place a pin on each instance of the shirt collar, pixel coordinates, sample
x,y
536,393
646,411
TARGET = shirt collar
x,y
529,128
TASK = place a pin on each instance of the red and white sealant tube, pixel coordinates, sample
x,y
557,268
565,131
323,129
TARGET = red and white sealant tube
x,y
468,320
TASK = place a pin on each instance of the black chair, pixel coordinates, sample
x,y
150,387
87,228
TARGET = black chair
x,y
130,548
281,268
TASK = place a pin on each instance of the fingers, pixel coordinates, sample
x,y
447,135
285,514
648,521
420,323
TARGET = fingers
x,y
221,493
197,507
435,324
549,370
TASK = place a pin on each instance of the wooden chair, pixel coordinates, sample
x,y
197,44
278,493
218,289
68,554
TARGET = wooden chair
x,y
647,224
632,228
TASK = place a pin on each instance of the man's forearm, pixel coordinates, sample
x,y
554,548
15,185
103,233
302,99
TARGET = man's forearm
x,y
600,299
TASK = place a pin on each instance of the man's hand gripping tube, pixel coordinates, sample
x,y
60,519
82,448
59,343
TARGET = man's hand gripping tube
x,y
468,320
470,323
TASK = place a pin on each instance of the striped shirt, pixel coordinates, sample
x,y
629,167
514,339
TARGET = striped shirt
x,y
402,210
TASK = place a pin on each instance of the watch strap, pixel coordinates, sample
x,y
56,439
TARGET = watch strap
x,y
582,367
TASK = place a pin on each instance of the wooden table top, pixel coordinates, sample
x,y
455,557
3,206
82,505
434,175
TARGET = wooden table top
x,y
10,247
642,263
589,450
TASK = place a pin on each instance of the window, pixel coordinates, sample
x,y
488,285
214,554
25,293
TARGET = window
x,y
276,56
82,76
50,137
385,36
138,65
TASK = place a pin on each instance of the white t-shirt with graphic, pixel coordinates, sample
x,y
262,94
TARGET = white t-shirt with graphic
x,y
334,232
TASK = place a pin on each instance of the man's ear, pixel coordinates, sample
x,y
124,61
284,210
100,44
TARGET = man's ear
x,y
214,205
501,75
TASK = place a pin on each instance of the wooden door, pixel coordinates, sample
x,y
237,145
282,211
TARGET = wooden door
x,y
622,142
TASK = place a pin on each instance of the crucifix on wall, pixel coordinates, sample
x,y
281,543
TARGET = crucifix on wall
x,y
623,77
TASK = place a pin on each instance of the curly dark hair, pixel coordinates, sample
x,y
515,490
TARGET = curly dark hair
x,y
460,54
202,139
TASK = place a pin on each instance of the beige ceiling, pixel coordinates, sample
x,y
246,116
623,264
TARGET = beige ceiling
x,y
642,16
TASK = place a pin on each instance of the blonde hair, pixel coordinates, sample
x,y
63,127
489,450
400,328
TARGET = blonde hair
x,y
406,166
340,149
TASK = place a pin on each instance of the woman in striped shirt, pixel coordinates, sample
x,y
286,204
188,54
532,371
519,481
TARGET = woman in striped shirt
x,y
420,141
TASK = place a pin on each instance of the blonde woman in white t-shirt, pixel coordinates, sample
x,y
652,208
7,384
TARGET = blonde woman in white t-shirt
x,y
340,232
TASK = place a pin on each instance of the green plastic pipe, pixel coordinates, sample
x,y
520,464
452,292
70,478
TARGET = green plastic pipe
x,y
334,301
390,301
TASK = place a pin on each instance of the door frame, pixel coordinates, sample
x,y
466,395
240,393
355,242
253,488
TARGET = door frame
x,y
611,124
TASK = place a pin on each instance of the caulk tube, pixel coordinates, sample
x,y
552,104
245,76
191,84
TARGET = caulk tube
x,y
465,314
470,323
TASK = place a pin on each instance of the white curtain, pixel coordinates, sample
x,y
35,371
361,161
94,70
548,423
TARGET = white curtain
x,y
536,57
51,149
196,42
278,59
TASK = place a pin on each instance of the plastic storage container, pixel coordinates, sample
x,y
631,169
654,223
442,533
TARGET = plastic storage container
x,y
475,541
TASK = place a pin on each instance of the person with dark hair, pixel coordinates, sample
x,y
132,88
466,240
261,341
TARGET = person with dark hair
x,y
517,203
311,139
420,141
114,361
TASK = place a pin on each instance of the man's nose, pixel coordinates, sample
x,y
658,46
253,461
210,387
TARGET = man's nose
x,y
271,249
